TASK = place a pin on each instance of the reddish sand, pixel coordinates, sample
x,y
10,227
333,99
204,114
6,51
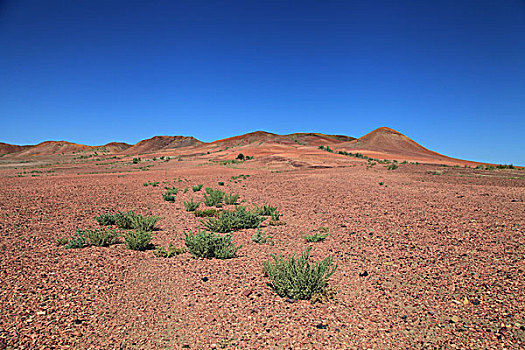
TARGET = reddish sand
x,y
429,257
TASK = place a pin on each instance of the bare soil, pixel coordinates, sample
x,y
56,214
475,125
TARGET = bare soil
x,y
432,258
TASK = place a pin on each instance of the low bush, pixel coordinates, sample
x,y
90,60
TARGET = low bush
x,y
221,183
203,244
101,237
169,252
233,220
138,239
106,219
144,223
168,197
299,278
123,220
77,241
260,237
196,188
213,197
316,237
392,166
207,213
231,198
265,210
191,205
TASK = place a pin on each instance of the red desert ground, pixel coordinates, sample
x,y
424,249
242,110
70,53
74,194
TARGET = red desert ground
x,y
259,241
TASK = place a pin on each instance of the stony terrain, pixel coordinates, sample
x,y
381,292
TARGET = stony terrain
x,y
433,257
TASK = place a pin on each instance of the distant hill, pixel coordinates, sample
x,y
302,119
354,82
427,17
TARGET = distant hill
x,y
381,143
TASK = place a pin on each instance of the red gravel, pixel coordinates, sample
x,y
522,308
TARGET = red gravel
x,y
443,255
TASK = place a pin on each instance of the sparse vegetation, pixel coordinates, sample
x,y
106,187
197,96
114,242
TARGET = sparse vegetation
x,y
136,160
316,237
213,197
169,195
169,252
105,219
260,237
207,213
138,239
196,188
265,210
77,241
130,220
231,198
221,183
392,166
233,220
101,237
154,184
299,278
191,205
203,244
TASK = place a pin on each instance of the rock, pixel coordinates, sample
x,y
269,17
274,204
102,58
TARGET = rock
x,y
40,313
363,274
247,292
475,301
204,279
404,317
454,319
209,318
290,300
321,325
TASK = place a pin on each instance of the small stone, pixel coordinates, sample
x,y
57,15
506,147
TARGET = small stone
x,y
76,334
247,292
290,300
431,313
41,313
475,301
186,346
321,325
404,317
363,274
204,279
209,318
454,319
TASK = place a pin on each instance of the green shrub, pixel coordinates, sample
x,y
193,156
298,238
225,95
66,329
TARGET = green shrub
x,y
299,278
196,188
171,251
207,213
136,160
101,237
275,215
191,205
144,223
233,220
260,237
185,190
172,190
123,221
231,198
62,241
221,183
138,239
105,219
168,197
265,210
203,244
381,183
240,156
77,241
392,166
213,197
316,237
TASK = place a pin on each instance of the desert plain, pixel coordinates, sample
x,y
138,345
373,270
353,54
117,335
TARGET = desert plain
x,y
430,254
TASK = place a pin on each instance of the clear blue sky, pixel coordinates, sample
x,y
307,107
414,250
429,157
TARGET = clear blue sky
x,y
450,74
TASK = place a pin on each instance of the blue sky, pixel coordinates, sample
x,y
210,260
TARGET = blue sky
x,y
449,74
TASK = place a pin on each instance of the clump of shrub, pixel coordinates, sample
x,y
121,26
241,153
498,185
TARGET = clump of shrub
x,y
233,220
203,244
77,241
169,252
231,198
196,188
101,237
191,205
265,210
169,195
136,160
392,166
105,219
213,197
130,220
221,183
154,184
316,237
138,239
207,213
260,237
299,278
275,218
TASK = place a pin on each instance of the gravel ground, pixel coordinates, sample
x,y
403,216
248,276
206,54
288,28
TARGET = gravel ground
x,y
431,258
